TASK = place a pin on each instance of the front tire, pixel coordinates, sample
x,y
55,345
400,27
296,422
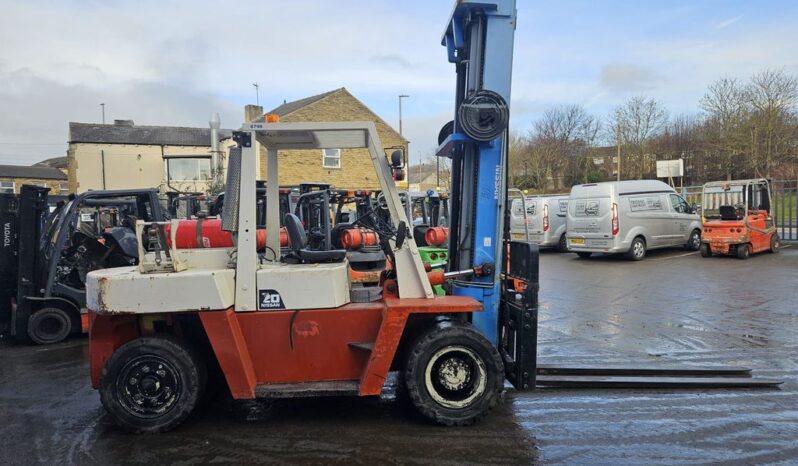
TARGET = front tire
x,y
694,243
637,251
705,250
49,325
152,384
453,375
775,243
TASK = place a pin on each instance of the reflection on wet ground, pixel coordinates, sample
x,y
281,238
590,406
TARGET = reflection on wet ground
x,y
671,308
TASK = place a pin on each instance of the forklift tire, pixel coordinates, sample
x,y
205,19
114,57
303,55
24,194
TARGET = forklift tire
x,y
562,246
705,250
775,244
453,375
49,325
152,384
637,251
584,255
743,251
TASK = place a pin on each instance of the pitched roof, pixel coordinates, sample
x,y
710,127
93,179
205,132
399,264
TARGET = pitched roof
x,y
419,173
147,135
41,173
55,162
290,107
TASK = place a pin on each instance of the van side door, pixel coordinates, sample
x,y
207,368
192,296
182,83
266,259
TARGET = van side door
x,y
682,218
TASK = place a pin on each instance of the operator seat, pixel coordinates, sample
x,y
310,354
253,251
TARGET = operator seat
x,y
728,212
299,242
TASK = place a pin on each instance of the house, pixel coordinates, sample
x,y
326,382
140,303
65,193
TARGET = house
x,y
428,176
343,168
12,177
124,155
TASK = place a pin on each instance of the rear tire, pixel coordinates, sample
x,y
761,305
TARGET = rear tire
x,y
743,251
694,243
562,246
453,375
637,251
584,255
705,250
49,325
152,384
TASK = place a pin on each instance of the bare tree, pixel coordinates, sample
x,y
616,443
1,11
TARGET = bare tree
x,y
772,95
726,114
637,122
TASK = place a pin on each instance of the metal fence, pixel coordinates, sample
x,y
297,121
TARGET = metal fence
x,y
784,196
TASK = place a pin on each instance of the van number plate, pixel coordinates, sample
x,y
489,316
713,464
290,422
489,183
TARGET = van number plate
x,y
577,241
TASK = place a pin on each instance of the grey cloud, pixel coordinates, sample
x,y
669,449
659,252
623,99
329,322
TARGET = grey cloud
x,y
623,78
394,60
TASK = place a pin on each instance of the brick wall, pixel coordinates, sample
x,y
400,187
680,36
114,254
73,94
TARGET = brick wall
x,y
357,171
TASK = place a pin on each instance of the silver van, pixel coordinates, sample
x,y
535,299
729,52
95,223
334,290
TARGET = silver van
x,y
543,222
629,217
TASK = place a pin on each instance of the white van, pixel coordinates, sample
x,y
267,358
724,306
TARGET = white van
x,y
543,223
629,217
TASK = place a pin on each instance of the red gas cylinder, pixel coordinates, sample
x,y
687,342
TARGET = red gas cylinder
x,y
356,238
436,236
212,235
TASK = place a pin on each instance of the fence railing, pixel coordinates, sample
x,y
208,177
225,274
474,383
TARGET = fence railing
x,y
784,196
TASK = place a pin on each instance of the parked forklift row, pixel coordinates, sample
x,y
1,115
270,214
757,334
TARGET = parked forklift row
x,y
633,217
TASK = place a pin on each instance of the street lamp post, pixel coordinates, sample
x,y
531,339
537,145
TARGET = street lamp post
x,y
102,105
401,96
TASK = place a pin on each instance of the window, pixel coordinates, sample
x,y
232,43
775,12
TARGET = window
x,y
188,169
679,204
331,158
6,186
63,189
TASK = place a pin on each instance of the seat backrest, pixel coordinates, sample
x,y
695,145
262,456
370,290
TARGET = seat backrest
x,y
296,233
727,212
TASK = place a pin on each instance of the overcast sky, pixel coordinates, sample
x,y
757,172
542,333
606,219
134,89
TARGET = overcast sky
x,y
174,62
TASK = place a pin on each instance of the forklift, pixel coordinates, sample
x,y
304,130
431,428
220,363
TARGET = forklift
x,y
736,218
289,325
47,257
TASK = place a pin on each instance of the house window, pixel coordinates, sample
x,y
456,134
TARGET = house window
x,y
331,158
6,186
63,189
188,169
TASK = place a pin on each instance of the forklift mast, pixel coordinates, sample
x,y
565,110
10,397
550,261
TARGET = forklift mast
x,y
479,41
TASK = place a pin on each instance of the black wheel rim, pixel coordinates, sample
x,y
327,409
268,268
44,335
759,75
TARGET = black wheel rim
x,y
148,386
50,328
456,377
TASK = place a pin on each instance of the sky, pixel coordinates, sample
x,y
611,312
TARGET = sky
x,y
174,62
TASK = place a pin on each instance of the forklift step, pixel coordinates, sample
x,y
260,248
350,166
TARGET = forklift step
x,y
586,381
308,389
659,371
364,346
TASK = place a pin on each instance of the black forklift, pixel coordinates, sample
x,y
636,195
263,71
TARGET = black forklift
x,y
46,256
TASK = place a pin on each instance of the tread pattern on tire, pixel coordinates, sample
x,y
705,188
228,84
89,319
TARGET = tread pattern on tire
x,y
423,403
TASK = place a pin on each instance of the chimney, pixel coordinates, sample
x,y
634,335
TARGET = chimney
x,y
252,113
123,122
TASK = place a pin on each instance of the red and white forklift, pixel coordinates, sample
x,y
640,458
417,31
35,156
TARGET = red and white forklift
x,y
289,323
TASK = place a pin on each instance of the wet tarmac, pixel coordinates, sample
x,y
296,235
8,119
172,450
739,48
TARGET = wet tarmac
x,y
672,308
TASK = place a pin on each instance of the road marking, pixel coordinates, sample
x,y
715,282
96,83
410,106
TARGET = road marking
x,y
674,257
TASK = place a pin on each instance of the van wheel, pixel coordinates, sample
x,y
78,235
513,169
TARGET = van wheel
x,y
743,251
453,375
694,243
563,244
705,250
584,255
152,384
49,325
638,249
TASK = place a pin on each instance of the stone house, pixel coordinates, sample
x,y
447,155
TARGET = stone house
x,y
12,177
345,169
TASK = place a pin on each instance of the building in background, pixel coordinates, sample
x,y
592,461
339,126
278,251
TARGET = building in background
x,y
343,168
123,155
12,177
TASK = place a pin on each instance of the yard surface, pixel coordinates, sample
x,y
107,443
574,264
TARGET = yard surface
x,y
672,308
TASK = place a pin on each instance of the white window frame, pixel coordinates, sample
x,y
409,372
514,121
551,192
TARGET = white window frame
x,y
3,189
63,189
324,158
167,171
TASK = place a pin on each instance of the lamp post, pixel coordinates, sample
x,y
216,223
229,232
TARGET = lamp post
x,y
257,95
401,96
102,105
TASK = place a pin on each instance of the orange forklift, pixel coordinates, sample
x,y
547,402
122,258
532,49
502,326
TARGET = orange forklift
x,y
736,218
